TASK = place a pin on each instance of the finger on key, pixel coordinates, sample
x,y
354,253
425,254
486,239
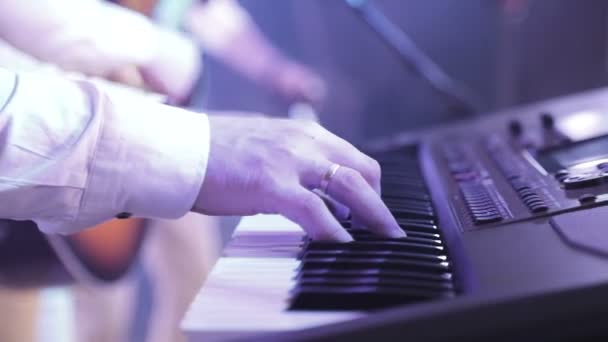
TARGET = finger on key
x,y
344,153
349,188
339,210
306,209
349,156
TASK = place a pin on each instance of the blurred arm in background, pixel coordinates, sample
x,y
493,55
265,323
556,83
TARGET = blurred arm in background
x,y
226,31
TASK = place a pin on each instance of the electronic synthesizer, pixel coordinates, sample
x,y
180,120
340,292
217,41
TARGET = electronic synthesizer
x,y
507,239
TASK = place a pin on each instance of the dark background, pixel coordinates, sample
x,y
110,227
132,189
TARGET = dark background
x,y
508,52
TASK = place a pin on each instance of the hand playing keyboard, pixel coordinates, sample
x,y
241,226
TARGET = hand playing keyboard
x,y
261,165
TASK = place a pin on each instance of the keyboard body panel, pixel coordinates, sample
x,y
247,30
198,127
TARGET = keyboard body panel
x,y
522,268
524,254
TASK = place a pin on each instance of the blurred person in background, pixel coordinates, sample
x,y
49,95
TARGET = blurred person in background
x,y
91,38
226,31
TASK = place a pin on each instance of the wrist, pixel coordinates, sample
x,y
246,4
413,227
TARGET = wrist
x,y
135,171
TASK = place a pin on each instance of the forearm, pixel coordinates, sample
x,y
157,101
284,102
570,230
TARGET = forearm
x,y
225,30
72,156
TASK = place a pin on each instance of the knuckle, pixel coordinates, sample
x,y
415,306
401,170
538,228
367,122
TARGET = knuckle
x,y
308,204
348,183
350,177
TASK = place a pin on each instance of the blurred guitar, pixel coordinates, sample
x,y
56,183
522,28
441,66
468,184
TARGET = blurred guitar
x,y
103,253
106,251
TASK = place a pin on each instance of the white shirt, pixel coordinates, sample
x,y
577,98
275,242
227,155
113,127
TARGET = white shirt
x,y
71,156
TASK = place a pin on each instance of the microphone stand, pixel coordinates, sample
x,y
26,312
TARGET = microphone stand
x,y
459,98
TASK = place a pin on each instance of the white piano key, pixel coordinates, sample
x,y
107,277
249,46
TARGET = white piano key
x,y
267,223
248,290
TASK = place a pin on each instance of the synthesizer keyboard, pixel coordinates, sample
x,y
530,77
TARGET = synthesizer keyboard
x,y
374,272
505,220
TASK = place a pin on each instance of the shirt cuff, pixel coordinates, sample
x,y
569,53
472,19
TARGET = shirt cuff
x,y
150,160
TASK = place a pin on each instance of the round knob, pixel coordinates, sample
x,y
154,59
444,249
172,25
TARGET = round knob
x,y
547,120
515,128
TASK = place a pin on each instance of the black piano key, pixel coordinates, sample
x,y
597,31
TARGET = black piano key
x,y
393,171
346,223
404,182
419,196
423,232
409,205
400,170
373,254
400,165
383,263
398,246
406,169
416,226
427,222
364,232
416,212
410,213
423,235
404,186
358,297
375,272
411,196
376,281
376,289
417,203
410,238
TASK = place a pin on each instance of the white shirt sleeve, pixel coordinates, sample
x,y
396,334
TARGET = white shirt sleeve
x,y
72,156
99,38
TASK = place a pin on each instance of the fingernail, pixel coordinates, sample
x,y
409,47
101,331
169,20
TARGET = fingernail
x,y
342,236
397,233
